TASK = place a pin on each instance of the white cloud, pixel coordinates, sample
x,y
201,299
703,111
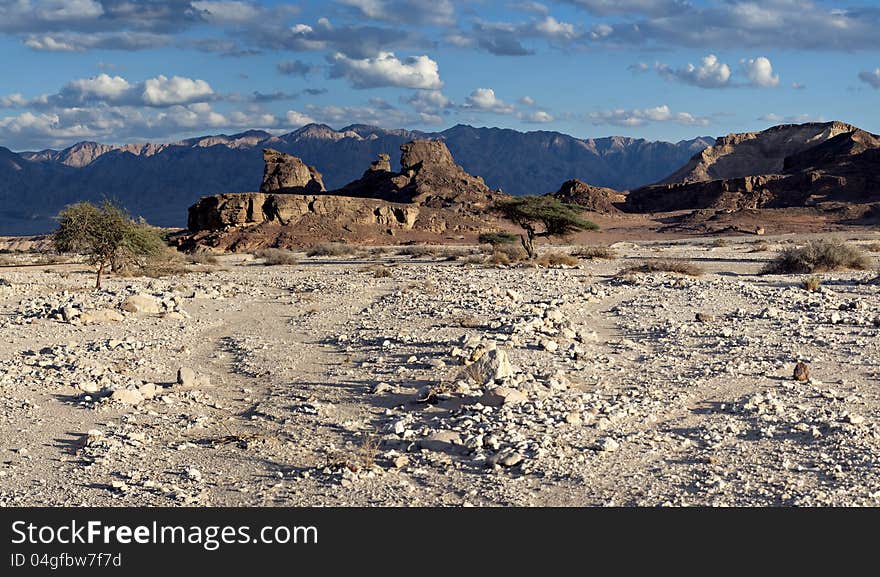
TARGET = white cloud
x,y
871,77
428,101
484,99
163,91
643,116
100,87
709,73
160,91
527,101
536,117
387,70
792,119
297,119
550,27
760,72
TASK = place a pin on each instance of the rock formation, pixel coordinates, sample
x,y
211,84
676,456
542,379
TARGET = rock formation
x,y
288,174
592,198
785,166
431,194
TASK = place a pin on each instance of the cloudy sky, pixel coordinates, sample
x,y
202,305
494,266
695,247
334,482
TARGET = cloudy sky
x,y
133,70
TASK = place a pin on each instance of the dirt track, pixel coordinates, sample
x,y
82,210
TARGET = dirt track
x,y
320,383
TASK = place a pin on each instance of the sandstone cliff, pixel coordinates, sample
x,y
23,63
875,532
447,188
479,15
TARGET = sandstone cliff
x,y
431,195
786,166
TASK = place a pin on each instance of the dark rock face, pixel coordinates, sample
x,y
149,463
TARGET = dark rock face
x,y
592,198
288,174
835,163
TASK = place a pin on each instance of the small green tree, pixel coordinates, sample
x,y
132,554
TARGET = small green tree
x,y
107,235
498,238
543,216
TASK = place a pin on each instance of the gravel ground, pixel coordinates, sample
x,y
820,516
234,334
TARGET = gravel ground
x,y
445,383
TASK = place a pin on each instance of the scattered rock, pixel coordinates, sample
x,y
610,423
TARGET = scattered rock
x,y
801,371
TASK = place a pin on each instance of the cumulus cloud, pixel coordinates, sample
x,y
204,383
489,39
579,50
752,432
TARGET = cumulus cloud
x,y
387,70
709,73
871,77
160,91
372,115
163,91
484,100
527,101
297,119
760,72
536,117
643,116
431,102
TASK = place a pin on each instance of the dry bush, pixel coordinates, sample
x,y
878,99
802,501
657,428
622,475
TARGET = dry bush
x,y
818,256
201,258
676,266
594,252
276,256
167,263
421,251
873,247
378,271
506,254
332,249
475,259
811,284
557,259
760,246
720,242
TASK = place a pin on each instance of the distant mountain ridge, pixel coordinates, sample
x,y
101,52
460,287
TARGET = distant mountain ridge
x,y
159,181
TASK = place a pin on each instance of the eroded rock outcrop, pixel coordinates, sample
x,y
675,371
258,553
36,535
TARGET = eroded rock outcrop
x,y
288,174
430,195
592,198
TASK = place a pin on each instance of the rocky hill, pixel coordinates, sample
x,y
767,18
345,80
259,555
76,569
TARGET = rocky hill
x,y
159,181
785,166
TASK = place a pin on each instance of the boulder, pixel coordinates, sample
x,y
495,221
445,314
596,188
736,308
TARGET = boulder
x,y
492,366
142,304
288,174
500,396
100,316
128,396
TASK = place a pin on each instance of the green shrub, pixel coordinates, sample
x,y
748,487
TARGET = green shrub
x,y
818,256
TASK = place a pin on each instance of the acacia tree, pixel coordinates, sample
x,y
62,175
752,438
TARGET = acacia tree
x,y
543,216
106,234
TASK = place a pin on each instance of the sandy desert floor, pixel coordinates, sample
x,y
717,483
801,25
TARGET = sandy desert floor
x,y
321,383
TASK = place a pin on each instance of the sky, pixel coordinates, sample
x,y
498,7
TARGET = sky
x,y
117,71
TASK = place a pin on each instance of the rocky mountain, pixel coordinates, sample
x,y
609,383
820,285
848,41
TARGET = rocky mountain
x,y
159,181
784,166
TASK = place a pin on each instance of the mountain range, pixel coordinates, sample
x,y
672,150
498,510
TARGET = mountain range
x,y
160,181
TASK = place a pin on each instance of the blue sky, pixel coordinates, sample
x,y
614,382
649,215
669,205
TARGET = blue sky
x,y
119,71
